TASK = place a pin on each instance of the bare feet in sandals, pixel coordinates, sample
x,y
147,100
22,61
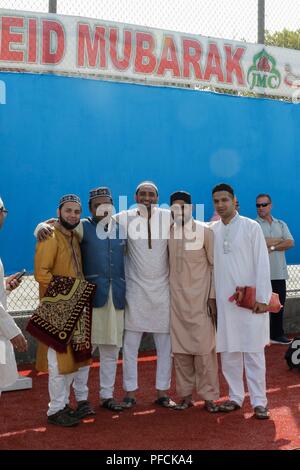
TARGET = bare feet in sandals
x,y
211,406
165,402
183,405
229,406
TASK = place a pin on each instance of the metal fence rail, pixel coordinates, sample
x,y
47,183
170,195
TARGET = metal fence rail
x,y
26,297
243,20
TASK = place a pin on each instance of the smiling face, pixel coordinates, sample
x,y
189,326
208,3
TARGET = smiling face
x,y
146,196
70,212
224,204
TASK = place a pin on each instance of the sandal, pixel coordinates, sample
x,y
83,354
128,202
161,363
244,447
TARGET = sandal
x,y
165,402
229,406
184,405
111,404
261,412
211,407
128,402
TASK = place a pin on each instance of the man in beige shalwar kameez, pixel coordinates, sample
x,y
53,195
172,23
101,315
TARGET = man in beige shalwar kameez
x,y
193,306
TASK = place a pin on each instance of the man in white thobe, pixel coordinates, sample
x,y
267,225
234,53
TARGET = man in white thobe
x,y
10,334
241,259
147,307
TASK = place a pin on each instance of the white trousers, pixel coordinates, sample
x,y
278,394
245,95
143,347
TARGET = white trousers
x,y
80,383
233,365
58,385
109,355
107,374
132,340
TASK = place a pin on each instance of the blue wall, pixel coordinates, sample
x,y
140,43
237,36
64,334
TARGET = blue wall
x,y
60,135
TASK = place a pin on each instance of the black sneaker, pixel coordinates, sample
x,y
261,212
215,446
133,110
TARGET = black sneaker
x,y
84,409
281,340
62,418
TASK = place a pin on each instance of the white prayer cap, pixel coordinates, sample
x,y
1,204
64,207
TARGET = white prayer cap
x,y
147,183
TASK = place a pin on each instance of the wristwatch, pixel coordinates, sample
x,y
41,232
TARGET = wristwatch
x,y
272,248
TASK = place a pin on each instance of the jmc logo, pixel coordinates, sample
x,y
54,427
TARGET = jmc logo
x,y
263,73
2,92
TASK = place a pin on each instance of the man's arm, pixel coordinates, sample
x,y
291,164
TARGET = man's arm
x,y
10,330
262,265
44,230
283,245
273,241
44,261
209,249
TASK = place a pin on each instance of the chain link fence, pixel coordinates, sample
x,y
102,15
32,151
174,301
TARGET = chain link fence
x,y
26,297
230,19
245,20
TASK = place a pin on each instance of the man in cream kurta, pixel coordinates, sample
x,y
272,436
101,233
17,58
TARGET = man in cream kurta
x,y
241,259
192,305
10,334
147,306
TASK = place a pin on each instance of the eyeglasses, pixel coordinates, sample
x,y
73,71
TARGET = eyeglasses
x,y
263,204
4,212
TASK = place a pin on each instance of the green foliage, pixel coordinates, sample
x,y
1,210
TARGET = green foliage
x,y
284,38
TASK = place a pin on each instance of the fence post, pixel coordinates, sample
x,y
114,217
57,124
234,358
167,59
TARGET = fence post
x,y
52,6
261,15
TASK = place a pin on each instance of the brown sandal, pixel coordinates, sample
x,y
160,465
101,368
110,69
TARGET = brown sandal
x,y
229,406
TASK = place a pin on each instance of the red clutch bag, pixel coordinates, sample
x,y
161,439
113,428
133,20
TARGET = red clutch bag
x,y
246,297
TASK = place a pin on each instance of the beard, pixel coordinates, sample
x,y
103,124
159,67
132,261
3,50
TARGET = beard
x,y
66,224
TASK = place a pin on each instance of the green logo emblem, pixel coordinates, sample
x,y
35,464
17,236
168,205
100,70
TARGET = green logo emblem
x,y
263,72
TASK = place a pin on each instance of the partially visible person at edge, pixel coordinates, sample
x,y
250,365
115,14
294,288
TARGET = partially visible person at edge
x,y
147,308
102,250
241,259
193,306
11,336
60,255
278,239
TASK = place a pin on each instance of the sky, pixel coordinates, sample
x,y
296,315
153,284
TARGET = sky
x,y
231,19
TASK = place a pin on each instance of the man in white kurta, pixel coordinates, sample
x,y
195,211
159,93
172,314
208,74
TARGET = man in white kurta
x,y
10,334
147,307
241,259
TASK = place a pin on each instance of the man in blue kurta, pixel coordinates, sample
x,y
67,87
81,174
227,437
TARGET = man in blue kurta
x,y
102,249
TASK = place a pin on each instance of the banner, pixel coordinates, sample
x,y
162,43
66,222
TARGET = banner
x,y
47,43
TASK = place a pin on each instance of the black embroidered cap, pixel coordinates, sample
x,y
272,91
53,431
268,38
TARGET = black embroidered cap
x,y
101,191
69,198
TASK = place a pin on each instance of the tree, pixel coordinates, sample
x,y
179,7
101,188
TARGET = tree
x,y
284,38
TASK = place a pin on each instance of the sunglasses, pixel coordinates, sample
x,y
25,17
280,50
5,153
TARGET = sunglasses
x,y
263,204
